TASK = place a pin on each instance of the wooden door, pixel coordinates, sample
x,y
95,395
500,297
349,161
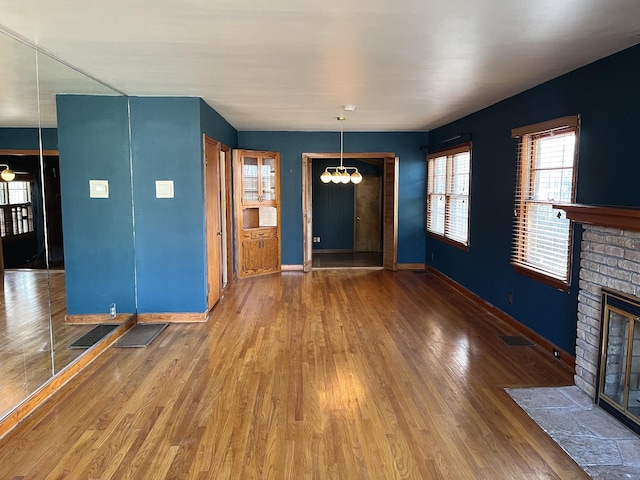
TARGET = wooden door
x,y
213,221
367,215
390,217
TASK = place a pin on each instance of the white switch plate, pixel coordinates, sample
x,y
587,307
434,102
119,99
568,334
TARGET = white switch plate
x,y
98,188
164,188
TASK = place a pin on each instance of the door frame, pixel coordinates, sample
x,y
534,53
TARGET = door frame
x,y
224,211
32,153
390,228
213,219
228,220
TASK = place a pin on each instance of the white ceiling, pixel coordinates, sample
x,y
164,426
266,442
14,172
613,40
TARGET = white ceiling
x,y
292,64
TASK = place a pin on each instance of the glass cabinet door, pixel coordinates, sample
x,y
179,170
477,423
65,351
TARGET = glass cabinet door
x,y
250,180
268,177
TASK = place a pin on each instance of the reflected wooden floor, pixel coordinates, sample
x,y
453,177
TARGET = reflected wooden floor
x,y
346,260
25,339
338,374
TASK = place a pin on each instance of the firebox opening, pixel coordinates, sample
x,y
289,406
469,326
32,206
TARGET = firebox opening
x,y
618,389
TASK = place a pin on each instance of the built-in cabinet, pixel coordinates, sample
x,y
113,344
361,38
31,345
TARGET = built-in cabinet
x,y
257,207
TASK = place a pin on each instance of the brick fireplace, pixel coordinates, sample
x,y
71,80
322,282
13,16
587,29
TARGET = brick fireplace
x,y
609,259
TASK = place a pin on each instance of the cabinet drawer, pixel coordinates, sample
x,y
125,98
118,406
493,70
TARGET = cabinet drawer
x,y
263,234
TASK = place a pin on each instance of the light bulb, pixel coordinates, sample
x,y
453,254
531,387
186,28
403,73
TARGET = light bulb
x,y
335,177
345,177
325,177
356,177
8,175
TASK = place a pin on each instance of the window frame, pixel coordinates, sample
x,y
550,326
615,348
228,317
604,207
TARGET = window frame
x,y
17,218
525,175
449,153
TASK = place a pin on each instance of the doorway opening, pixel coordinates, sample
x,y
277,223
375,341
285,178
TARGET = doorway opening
x,y
22,212
347,218
347,225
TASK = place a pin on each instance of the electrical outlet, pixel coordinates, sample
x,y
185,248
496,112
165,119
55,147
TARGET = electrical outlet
x,y
316,239
112,311
510,298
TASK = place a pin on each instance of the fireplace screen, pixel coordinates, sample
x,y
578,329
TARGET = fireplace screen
x,y
619,366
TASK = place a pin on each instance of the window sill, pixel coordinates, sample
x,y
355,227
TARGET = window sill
x,y
541,277
449,241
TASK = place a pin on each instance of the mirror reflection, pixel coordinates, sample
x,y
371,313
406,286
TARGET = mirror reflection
x,y
59,278
25,336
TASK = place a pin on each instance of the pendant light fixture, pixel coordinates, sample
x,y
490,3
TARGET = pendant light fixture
x,y
340,173
7,174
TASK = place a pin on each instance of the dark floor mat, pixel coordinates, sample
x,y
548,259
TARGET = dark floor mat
x,y
141,335
516,341
93,336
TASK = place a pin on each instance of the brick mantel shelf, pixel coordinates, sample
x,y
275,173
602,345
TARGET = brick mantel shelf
x,y
624,218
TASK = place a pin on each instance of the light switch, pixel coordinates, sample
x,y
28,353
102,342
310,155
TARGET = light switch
x,y
98,188
164,188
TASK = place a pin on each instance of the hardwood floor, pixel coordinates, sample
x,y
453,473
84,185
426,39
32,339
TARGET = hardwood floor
x,y
332,374
25,339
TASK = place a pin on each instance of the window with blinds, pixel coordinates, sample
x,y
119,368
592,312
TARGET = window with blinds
x,y
448,180
16,209
547,160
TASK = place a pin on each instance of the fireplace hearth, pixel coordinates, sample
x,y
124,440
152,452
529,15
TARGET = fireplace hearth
x,y
609,272
618,388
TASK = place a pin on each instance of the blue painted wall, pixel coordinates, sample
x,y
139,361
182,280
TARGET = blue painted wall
x,y
607,97
216,127
170,233
27,139
93,136
291,145
166,145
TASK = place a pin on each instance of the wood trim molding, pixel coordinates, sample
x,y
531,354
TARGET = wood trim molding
x,y
568,121
333,250
177,317
448,241
379,155
566,359
604,216
95,318
23,153
292,268
541,276
55,383
456,148
411,266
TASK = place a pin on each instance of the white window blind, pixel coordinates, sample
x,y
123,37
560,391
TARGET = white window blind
x,y
547,158
16,209
448,179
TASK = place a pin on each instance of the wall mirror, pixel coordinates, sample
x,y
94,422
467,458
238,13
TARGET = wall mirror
x,y
35,336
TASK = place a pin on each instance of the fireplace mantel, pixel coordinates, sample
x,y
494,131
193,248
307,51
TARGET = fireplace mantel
x,y
605,216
